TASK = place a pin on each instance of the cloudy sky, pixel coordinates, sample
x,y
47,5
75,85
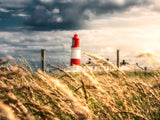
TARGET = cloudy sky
x,y
27,26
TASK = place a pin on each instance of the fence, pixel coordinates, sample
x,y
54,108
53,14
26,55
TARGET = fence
x,y
118,63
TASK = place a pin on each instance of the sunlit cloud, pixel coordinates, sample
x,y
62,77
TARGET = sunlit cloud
x,y
21,15
56,10
4,10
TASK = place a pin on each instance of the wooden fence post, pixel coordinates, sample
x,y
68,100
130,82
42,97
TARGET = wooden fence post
x,y
118,59
43,59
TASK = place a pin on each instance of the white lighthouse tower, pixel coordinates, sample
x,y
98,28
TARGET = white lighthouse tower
x,y
75,51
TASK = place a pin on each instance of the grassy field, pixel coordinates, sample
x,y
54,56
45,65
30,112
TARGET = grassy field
x,y
102,95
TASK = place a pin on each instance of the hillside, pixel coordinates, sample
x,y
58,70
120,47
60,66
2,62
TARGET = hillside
x,y
83,95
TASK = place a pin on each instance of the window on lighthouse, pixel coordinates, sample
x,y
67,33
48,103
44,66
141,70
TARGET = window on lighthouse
x,y
73,42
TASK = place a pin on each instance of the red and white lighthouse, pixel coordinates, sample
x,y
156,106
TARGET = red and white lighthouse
x,y
75,51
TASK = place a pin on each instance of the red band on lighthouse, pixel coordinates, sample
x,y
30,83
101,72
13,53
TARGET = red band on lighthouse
x,y
75,51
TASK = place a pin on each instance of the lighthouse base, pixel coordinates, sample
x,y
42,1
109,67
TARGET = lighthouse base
x,y
75,62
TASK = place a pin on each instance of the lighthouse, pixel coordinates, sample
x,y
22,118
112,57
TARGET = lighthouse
x,y
75,51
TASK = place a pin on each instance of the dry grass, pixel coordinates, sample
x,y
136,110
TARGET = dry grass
x,y
84,95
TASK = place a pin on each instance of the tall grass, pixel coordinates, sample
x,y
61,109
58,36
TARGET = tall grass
x,y
90,95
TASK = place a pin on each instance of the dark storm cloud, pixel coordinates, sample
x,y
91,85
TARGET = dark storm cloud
x,y
15,3
74,14
65,14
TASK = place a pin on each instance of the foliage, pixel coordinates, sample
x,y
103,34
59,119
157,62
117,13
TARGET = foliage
x,y
84,95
